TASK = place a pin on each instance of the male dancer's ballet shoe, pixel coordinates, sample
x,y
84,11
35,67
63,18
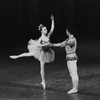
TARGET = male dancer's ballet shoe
x,y
44,85
13,57
72,91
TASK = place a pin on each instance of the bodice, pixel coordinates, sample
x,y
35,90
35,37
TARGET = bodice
x,y
44,40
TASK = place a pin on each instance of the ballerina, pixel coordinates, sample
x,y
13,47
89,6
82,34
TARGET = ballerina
x,y
40,49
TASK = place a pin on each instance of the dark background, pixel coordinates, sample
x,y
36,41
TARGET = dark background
x,y
19,20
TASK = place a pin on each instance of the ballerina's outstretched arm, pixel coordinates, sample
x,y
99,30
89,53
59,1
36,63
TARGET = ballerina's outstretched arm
x,y
57,44
62,44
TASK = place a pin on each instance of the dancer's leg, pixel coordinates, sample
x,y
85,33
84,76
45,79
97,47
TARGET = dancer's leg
x,y
42,74
21,55
72,67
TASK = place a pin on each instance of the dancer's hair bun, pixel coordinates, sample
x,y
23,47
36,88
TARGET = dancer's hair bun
x,y
40,27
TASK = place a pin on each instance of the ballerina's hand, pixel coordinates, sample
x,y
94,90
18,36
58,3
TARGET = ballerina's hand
x,y
50,44
52,17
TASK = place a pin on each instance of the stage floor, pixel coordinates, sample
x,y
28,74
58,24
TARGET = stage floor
x,y
20,78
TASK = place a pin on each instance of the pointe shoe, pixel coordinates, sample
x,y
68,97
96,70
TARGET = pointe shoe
x,y
72,91
44,85
13,57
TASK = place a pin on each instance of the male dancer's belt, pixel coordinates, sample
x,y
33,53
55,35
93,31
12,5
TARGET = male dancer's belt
x,y
70,53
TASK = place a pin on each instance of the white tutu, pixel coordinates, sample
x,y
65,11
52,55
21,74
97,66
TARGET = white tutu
x,y
42,54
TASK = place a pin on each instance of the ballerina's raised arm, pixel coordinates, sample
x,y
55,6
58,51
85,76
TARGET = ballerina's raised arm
x,y
52,26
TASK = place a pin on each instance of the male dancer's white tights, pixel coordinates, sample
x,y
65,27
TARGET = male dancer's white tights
x,y
72,67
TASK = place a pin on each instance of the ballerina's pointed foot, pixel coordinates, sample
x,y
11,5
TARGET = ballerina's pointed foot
x,y
44,85
13,57
72,91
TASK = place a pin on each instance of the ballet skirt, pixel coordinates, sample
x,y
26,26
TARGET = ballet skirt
x,y
33,49
45,53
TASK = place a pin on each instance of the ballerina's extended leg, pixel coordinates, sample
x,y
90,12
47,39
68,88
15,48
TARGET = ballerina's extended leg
x,y
21,55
